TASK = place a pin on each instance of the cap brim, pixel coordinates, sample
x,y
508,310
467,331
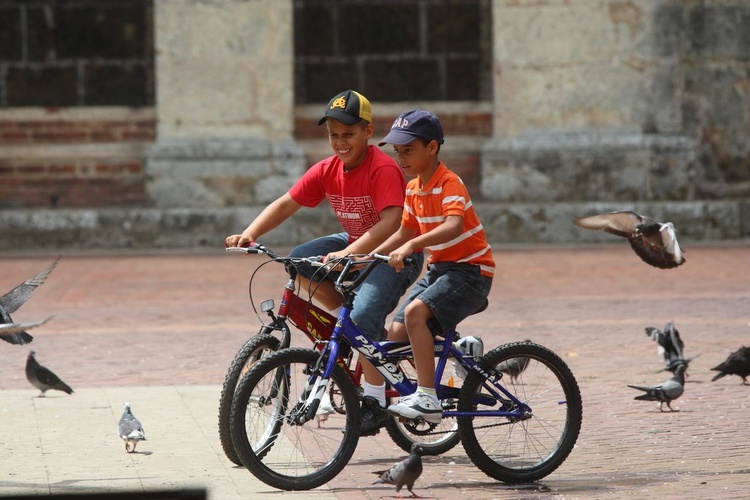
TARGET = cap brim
x,y
339,117
398,138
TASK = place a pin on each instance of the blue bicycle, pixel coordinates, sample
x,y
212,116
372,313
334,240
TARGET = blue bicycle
x,y
518,411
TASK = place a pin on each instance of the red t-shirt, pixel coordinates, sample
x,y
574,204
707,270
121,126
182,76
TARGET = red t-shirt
x,y
357,197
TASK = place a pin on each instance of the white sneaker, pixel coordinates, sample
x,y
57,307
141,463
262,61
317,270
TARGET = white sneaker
x,y
418,405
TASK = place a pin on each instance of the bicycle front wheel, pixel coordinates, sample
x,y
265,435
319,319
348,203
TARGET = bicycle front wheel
x,y
516,450
302,454
251,351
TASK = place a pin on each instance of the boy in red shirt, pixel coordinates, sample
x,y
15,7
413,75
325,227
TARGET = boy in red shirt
x,y
460,267
365,189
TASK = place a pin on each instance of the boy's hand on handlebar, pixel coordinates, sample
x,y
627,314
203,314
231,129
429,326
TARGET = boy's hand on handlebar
x,y
238,240
396,257
334,256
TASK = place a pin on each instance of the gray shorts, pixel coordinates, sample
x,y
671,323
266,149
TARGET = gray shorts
x,y
452,291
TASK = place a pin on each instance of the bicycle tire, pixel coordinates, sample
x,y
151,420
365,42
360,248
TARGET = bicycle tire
x,y
525,450
435,439
302,456
250,352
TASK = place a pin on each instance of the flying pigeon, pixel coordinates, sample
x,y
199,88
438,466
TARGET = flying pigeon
x,y
671,346
654,242
11,301
42,378
130,429
737,363
404,473
324,409
666,392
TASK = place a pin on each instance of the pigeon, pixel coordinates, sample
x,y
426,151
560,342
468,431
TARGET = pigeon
x,y
325,408
43,379
671,347
514,367
666,392
130,429
11,301
654,242
404,473
737,363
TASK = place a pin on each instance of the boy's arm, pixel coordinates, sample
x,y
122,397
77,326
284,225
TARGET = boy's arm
x,y
390,221
398,240
270,218
450,229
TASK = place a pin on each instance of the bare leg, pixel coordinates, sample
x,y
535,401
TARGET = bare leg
x,y
416,315
324,293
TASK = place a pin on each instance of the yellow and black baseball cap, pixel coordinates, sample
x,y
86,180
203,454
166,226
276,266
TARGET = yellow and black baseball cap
x,y
348,107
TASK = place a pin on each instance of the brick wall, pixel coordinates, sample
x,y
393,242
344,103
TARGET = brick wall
x,y
84,157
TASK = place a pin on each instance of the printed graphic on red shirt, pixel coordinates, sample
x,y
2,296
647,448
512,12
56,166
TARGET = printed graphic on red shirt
x,y
357,214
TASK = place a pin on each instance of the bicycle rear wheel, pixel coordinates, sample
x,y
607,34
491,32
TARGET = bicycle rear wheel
x,y
528,449
251,351
300,455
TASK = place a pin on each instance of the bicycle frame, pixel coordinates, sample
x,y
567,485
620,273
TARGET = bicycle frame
x,y
385,356
317,324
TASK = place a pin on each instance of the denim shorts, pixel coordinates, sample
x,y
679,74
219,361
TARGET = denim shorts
x,y
377,297
452,291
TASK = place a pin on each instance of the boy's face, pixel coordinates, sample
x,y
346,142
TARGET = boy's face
x,y
416,157
349,142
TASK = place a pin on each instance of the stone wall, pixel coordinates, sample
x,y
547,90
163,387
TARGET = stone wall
x,y
620,100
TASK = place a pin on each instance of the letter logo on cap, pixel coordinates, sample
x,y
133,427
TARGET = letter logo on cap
x,y
339,103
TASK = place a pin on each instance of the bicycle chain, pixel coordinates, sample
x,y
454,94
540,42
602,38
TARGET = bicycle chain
x,y
487,426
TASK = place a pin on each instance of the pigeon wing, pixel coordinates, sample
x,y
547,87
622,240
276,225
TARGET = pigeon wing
x,y
620,223
17,297
46,377
130,427
15,333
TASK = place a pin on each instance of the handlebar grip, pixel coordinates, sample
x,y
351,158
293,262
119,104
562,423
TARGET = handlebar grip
x,y
409,261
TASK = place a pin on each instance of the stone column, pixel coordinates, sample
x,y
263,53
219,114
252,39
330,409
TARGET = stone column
x,y
587,103
224,103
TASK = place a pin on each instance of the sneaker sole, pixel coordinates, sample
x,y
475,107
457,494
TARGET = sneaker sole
x,y
434,418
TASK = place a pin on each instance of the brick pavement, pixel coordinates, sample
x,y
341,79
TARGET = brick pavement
x,y
177,319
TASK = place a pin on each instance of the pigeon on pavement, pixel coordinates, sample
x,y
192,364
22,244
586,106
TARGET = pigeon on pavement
x,y
737,363
671,347
654,242
404,473
130,429
11,301
514,367
42,378
666,392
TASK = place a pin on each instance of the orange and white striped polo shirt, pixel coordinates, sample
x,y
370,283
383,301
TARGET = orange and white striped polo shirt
x,y
426,207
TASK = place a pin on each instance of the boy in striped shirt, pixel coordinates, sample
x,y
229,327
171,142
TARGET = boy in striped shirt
x,y
439,217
